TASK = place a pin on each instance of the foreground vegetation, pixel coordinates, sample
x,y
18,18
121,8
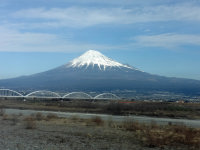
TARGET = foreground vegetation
x,y
157,109
130,132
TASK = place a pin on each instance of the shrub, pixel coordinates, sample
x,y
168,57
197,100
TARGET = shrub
x,y
97,120
74,118
39,116
110,122
131,125
2,111
51,116
5,117
171,135
30,123
14,119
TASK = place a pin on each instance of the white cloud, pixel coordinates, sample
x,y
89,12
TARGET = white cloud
x,y
80,17
70,17
169,40
14,41
85,17
11,40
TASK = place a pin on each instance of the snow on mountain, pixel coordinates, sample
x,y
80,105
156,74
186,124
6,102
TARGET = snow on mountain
x,y
84,74
92,58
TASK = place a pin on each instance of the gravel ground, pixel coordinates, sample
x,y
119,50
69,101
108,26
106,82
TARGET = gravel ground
x,y
54,136
64,135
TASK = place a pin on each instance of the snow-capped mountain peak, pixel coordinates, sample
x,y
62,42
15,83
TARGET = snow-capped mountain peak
x,y
93,57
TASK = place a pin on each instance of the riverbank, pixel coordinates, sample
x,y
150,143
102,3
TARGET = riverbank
x,y
152,109
39,130
107,117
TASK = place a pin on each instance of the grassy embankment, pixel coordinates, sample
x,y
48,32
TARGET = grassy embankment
x,y
157,109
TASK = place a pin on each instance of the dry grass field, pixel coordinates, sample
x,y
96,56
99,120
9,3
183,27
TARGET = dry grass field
x,y
50,132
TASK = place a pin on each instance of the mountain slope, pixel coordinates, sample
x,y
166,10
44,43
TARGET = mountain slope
x,y
95,72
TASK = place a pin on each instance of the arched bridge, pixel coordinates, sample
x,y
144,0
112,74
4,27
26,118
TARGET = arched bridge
x,y
50,94
9,93
106,96
78,95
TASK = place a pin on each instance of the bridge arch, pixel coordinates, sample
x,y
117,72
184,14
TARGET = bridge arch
x,y
106,96
43,93
8,92
78,95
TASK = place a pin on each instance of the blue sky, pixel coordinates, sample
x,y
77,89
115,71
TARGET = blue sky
x,y
157,36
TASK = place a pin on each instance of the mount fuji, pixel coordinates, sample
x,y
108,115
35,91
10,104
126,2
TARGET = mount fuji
x,y
93,71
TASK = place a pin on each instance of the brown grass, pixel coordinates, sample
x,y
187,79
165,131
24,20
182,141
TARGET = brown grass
x,y
172,136
51,116
14,119
30,122
154,135
5,117
74,118
39,116
149,135
97,120
2,111
131,125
